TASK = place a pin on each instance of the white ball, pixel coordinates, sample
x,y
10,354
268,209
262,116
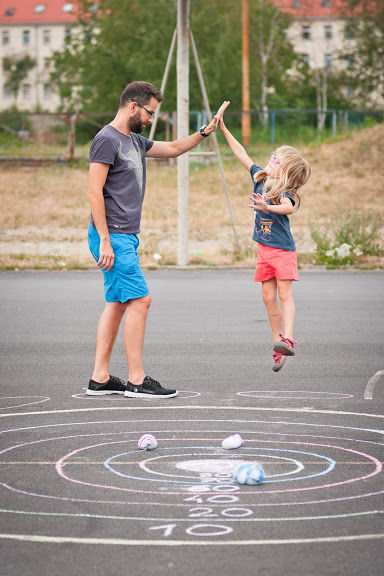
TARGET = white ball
x,y
249,474
147,442
232,442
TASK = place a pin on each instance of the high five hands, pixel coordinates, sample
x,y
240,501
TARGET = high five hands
x,y
212,126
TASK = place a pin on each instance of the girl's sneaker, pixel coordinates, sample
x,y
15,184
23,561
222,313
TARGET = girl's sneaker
x,y
286,346
278,361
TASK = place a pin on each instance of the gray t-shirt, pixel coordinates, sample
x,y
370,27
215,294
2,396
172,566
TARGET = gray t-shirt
x,y
124,187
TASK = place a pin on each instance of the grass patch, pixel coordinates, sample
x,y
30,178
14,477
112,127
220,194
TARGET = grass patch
x,y
47,212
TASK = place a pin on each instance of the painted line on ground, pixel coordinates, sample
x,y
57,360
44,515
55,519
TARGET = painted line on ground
x,y
126,542
228,519
368,392
176,407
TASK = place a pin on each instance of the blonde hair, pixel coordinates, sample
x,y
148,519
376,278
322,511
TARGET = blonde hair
x,y
294,172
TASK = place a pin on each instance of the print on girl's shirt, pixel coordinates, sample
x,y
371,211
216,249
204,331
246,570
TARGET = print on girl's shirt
x,y
265,230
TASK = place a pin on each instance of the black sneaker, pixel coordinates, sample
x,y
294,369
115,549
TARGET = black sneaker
x,y
149,388
113,386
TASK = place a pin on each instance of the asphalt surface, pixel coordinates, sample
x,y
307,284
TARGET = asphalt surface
x,y
78,497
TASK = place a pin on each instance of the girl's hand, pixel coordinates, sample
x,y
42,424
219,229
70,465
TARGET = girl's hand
x,y
259,202
221,124
212,126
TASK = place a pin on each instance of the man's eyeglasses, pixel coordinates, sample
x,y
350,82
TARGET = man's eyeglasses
x,y
274,159
149,112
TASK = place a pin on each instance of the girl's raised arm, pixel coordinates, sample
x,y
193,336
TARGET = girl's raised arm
x,y
236,147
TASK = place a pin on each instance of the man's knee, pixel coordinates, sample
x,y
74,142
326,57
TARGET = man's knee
x,y
142,303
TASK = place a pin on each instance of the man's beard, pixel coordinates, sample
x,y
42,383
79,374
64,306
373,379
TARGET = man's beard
x,y
135,124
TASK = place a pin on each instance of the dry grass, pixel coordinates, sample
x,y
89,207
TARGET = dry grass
x,y
45,211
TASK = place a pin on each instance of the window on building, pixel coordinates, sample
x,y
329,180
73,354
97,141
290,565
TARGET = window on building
x,y
47,63
39,9
350,58
326,2
328,60
350,92
9,11
26,91
46,36
306,32
296,3
7,92
328,32
6,65
26,37
349,32
5,37
67,35
305,59
47,91
88,35
67,8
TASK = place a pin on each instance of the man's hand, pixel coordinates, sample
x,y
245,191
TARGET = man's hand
x,y
212,126
107,255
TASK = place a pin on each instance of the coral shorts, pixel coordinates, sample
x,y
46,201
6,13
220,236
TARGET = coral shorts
x,y
275,263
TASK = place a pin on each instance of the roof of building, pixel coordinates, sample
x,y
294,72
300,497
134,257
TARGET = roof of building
x,y
316,9
38,11
65,11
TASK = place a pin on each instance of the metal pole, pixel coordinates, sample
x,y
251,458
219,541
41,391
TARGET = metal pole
x,y
163,84
182,128
273,127
334,124
214,138
246,116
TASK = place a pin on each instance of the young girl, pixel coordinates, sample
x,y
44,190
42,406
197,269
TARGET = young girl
x,y
274,197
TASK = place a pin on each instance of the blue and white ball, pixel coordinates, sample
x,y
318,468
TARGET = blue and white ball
x,y
248,474
147,442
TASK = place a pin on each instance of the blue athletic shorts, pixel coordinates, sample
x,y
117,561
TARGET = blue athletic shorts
x,y
125,280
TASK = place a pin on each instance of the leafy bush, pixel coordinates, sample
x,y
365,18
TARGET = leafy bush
x,y
348,235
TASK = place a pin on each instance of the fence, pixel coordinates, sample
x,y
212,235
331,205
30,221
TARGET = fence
x,y
42,138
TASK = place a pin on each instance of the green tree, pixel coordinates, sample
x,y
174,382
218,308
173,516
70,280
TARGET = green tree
x,y
272,53
16,70
364,49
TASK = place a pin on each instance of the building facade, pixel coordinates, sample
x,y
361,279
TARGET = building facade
x,y
34,28
319,31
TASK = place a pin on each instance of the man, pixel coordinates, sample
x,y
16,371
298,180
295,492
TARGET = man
x,y
117,176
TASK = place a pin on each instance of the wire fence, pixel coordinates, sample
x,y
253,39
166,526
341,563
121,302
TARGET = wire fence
x,y
43,138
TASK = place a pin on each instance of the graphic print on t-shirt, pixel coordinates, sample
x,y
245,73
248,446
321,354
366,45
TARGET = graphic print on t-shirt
x,y
133,159
264,231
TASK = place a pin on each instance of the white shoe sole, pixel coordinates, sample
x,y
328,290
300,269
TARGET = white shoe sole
x,y
143,395
103,392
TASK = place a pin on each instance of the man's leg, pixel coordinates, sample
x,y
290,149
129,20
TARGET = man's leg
x,y
134,330
106,335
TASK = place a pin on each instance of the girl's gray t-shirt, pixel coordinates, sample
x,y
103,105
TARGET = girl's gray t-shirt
x,y
124,187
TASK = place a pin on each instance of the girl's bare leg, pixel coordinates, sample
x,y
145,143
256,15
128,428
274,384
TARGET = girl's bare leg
x,y
288,306
269,288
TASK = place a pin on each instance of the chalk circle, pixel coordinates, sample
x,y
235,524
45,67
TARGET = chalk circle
x,y
184,394
11,398
294,395
207,465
